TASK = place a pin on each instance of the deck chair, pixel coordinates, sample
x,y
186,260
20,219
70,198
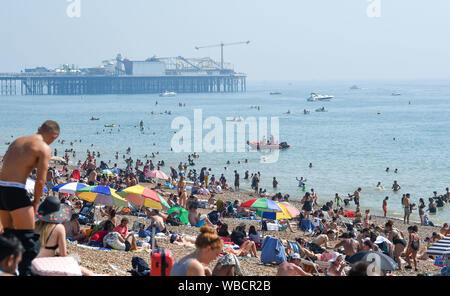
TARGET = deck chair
x,y
86,214
310,266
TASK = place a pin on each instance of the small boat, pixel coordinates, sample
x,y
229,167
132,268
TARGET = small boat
x,y
321,109
237,119
110,125
168,94
94,118
396,94
354,87
316,97
275,93
267,145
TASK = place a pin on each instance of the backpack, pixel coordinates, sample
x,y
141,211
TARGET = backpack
x,y
214,217
140,267
173,221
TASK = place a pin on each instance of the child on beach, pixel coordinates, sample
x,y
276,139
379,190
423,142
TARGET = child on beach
x,y
385,205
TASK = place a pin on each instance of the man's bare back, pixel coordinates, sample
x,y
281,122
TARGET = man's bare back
x,y
17,213
22,156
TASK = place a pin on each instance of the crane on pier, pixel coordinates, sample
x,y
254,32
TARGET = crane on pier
x,y
221,48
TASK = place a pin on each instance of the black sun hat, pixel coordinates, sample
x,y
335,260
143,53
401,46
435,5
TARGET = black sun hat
x,y
51,210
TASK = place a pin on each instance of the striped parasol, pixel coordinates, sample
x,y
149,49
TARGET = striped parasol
x,y
102,195
143,196
441,247
69,188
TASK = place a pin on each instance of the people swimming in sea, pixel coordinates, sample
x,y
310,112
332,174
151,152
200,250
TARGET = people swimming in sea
x,y
379,186
395,186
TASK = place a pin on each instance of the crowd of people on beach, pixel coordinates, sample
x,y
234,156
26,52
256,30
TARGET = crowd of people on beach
x,y
41,225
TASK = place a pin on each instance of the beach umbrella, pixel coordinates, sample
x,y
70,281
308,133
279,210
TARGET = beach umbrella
x,y
143,196
58,159
293,211
156,174
441,247
102,195
262,205
183,214
69,188
385,262
283,215
106,172
29,186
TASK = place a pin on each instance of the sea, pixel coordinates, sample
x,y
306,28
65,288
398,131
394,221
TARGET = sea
x,y
365,131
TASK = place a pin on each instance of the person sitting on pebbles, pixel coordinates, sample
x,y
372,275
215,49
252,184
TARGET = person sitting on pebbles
x,y
292,267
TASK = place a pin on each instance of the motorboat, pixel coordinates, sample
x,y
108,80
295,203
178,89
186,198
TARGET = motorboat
x,y
354,87
396,93
168,94
237,119
317,97
322,109
275,93
110,125
94,118
306,112
267,145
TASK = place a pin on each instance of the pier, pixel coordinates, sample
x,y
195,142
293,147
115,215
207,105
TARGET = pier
x,y
61,84
123,76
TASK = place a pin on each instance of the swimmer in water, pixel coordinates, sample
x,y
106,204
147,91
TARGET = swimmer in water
x,y
395,186
379,186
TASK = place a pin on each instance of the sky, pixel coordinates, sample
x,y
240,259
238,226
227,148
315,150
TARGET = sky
x,y
289,39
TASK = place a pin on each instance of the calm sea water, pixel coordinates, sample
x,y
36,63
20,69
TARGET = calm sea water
x,y
349,146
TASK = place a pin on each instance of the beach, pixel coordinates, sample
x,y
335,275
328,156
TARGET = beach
x,y
100,261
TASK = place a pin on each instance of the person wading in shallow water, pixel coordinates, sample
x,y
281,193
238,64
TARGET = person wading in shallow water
x,y
17,213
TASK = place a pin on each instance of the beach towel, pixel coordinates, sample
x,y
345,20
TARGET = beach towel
x,y
56,266
272,251
295,247
231,259
76,174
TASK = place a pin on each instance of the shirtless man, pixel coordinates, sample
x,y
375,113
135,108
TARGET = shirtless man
x,y
323,239
292,268
16,210
92,177
350,244
158,219
395,186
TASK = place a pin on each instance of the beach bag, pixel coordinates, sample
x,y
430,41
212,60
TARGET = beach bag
x,y
56,266
144,233
162,262
440,260
140,267
173,221
214,217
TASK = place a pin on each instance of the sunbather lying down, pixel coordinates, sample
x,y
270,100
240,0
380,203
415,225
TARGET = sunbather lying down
x,y
304,252
248,247
183,240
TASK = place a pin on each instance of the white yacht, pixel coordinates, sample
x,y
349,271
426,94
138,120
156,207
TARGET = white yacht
x,y
316,97
168,94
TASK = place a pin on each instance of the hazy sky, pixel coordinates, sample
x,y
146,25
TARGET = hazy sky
x,y
290,39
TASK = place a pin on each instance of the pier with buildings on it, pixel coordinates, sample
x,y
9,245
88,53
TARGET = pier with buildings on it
x,y
122,76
